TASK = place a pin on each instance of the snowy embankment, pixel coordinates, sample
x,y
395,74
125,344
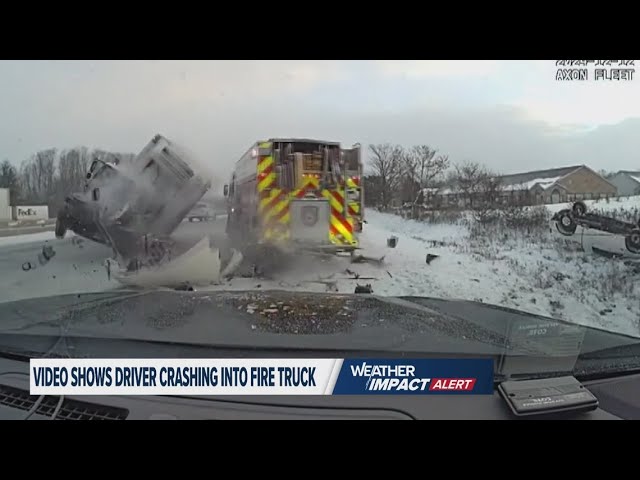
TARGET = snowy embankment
x,y
534,273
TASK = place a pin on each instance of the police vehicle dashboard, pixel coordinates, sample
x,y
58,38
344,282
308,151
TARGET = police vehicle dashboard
x,y
173,325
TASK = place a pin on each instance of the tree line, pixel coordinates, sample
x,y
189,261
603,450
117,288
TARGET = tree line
x,y
397,175
400,175
49,175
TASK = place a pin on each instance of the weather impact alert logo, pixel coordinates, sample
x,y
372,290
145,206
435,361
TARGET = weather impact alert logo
x,y
415,376
403,377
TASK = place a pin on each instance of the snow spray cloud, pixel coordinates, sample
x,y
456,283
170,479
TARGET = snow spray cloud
x,y
126,184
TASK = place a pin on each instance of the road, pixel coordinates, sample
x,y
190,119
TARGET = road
x,y
77,266
11,231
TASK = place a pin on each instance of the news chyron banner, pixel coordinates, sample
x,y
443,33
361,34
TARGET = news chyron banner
x,y
56,376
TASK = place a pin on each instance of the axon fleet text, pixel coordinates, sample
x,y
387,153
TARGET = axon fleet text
x,y
174,377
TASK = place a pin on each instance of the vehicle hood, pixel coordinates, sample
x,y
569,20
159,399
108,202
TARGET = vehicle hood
x,y
298,320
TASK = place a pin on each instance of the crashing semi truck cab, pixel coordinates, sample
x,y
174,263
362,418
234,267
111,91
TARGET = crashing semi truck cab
x,y
295,193
123,202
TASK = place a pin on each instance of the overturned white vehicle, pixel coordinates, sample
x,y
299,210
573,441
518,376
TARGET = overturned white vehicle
x,y
134,207
598,233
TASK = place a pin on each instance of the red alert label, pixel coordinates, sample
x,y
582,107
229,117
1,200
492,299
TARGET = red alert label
x,y
452,384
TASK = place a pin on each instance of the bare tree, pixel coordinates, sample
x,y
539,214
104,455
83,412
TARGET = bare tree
x,y
423,168
479,187
72,169
386,162
606,173
47,178
487,196
38,176
466,178
372,185
9,179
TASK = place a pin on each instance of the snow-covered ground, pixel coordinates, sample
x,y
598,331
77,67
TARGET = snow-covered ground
x,y
76,267
534,272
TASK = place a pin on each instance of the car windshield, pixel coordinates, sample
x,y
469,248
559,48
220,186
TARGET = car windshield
x,y
478,199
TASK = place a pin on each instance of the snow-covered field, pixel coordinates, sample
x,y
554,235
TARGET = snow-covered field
x,y
535,272
532,271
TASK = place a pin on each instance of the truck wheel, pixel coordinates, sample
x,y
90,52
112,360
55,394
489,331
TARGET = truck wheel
x,y
61,229
579,208
632,241
565,224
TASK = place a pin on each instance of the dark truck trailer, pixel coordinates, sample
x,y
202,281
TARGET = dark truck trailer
x,y
124,204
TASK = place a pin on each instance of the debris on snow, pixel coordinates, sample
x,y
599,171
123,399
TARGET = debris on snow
x,y
198,266
431,257
47,254
364,288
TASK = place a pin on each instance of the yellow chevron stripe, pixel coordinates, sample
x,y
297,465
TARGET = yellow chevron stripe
x,y
286,219
267,181
277,208
348,237
276,236
264,163
313,181
264,202
333,201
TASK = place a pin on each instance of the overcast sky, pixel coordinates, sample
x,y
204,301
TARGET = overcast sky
x,y
511,115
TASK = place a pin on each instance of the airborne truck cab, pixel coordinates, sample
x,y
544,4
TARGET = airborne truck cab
x,y
292,193
121,203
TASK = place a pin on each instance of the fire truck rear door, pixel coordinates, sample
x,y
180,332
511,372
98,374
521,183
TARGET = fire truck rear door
x,y
309,221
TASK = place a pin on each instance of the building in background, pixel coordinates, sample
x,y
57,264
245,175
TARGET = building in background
x,y
556,185
5,205
627,182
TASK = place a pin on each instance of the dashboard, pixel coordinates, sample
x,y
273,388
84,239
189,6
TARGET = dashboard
x,y
619,398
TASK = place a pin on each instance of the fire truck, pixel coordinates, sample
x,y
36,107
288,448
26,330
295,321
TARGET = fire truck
x,y
296,193
355,192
